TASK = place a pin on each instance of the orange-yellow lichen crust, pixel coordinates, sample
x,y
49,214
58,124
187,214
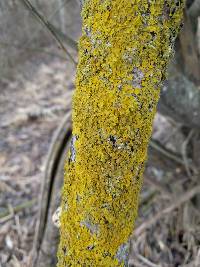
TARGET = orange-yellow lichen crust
x,y
123,54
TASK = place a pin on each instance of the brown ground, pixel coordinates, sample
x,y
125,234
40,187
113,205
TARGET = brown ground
x,y
32,104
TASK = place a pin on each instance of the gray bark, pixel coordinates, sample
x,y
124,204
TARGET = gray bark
x,y
180,98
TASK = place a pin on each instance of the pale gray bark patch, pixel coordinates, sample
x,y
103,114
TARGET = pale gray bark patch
x,y
115,143
138,75
122,253
93,228
72,157
180,98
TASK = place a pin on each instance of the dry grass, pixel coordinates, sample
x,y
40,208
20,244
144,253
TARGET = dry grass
x,y
32,104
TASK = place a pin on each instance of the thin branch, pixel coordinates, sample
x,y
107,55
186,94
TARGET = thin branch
x,y
169,154
175,204
50,17
184,153
158,186
46,23
147,261
18,208
65,38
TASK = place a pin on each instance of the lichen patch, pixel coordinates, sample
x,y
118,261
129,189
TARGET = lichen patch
x,y
123,54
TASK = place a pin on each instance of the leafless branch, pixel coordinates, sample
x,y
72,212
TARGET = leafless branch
x,y
175,204
49,27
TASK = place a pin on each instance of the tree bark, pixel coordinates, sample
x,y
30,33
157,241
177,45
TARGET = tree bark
x,y
180,97
123,54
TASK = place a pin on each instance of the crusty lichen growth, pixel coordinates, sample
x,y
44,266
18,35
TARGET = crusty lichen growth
x,y
123,54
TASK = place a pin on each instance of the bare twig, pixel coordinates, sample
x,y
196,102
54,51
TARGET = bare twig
x,y
46,23
17,208
63,36
158,186
135,263
155,145
5,187
175,204
184,153
169,154
146,261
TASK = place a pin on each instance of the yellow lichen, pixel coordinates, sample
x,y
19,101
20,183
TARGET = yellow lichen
x,y
123,54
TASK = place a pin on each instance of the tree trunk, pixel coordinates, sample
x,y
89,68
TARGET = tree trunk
x,y
123,54
180,97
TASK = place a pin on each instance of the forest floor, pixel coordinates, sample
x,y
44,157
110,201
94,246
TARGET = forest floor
x,y
32,104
